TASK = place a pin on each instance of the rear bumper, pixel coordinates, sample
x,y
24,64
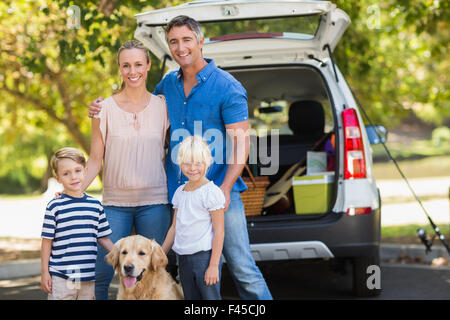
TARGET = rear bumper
x,y
290,251
333,235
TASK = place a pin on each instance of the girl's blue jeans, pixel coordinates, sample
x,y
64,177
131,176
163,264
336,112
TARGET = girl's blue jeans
x,y
150,221
192,268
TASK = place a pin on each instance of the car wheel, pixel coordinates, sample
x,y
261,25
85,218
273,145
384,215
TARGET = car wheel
x,y
367,276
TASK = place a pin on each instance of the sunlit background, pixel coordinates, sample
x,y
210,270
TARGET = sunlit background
x,y
55,58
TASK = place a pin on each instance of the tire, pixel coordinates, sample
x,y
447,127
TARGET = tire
x,y
367,276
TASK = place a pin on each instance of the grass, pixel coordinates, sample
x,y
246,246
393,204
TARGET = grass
x,y
414,149
411,230
407,234
418,168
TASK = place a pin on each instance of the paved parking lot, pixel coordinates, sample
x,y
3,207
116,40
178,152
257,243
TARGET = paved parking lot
x,y
295,280
299,280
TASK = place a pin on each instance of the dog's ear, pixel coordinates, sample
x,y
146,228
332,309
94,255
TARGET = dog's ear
x,y
113,256
159,258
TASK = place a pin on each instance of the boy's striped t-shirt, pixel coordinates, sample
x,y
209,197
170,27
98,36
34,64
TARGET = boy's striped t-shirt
x,y
74,225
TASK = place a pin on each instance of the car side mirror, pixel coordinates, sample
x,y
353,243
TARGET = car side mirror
x,y
376,134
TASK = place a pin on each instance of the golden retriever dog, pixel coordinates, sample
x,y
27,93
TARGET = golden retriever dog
x,y
141,264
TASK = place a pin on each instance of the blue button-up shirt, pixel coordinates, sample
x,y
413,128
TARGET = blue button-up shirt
x,y
217,100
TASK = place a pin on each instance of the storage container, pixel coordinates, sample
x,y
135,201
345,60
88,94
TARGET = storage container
x,y
313,193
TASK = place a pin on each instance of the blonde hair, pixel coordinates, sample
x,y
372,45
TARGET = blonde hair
x,y
194,148
131,44
67,153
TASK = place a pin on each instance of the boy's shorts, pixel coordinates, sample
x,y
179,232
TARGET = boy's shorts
x,y
63,289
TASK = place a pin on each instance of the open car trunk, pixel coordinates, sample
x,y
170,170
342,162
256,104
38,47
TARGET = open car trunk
x,y
240,32
290,113
266,45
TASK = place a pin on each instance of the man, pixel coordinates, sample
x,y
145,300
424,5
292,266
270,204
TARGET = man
x,y
203,99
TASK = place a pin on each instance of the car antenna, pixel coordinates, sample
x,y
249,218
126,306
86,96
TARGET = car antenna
x,y
420,232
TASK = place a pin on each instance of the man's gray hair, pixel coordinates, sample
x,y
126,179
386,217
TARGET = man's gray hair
x,y
180,21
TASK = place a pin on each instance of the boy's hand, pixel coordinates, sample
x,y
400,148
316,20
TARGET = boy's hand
x,y
211,275
95,107
46,282
58,194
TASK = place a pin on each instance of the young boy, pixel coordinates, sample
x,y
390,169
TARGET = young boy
x,y
73,224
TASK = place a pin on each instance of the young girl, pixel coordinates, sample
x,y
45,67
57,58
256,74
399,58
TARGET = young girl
x,y
197,230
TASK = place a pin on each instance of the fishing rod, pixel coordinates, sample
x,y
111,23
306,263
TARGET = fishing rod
x,y
420,232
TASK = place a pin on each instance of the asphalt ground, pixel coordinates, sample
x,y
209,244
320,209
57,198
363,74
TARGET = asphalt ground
x,y
23,218
300,280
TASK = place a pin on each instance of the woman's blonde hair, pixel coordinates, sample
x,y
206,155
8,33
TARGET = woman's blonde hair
x,y
131,44
194,149
67,153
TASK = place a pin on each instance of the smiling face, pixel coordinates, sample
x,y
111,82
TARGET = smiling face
x,y
71,175
134,256
184,46
194,170
133,66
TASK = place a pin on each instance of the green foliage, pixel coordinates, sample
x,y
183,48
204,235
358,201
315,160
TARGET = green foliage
x,y
441,138
52,67
394,55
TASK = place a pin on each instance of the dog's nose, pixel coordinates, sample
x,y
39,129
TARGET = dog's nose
x,y
128,267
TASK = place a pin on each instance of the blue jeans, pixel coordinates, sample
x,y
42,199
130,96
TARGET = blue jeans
x,y
192,268
248,278
150,221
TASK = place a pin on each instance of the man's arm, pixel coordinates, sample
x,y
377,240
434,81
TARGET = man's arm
x,y
239,134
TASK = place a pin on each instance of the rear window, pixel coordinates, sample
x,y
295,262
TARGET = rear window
x,y
295,27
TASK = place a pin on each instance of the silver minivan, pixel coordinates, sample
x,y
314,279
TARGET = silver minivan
x,y
300,108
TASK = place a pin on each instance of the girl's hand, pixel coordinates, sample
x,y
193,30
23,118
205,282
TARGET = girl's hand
x,y
46,282
226,192
211,276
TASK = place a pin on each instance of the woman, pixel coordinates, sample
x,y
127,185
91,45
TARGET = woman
x,y
128,135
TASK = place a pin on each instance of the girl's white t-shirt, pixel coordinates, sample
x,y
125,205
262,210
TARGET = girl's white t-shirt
x,y
193,228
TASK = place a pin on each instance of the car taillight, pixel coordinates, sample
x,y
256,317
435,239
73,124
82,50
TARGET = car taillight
x,y
357,211
355,162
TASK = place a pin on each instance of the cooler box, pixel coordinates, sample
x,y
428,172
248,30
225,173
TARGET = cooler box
x,y
313,193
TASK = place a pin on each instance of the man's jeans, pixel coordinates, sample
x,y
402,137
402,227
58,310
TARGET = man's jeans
x,y
150,221
249,281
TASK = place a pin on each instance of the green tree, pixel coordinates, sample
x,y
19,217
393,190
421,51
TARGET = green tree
x,y
395,56
52,66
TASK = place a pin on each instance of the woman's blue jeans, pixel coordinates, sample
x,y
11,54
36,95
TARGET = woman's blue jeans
x,y
150,221
248,278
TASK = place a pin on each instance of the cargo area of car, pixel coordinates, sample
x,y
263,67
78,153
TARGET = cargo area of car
x,y
292,145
